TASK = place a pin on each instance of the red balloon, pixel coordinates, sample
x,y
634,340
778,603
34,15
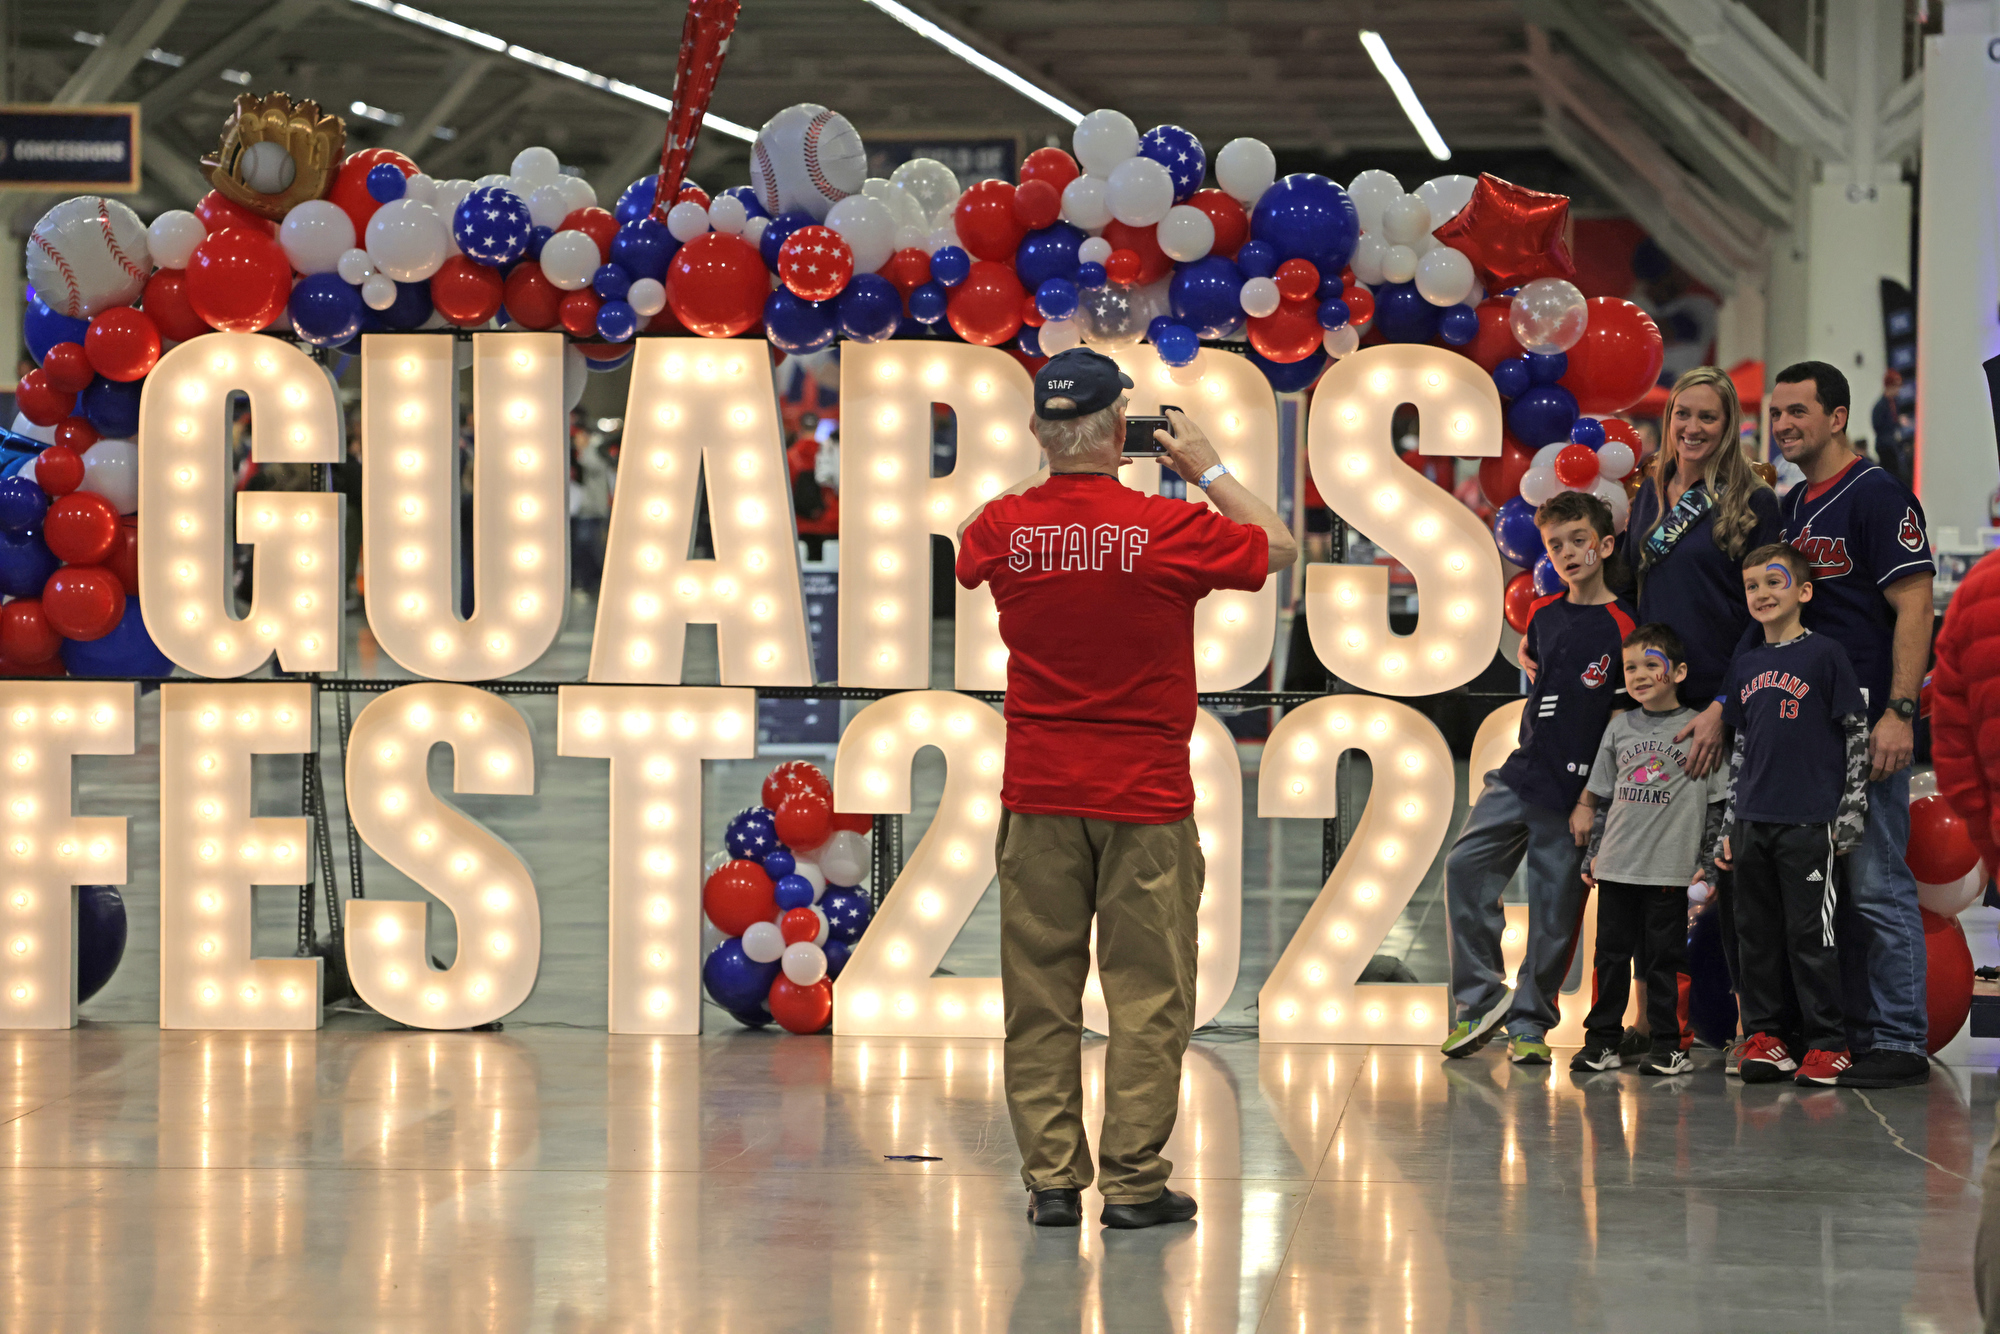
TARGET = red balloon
x,y
166,300
986,307
985,221
737,896
26,636
59,470
853,824
81,528
239,280
217,211
1511,234
692,193
815,263
1031,314
122,344
1122,266
124,558
1297,279
1500,478
908,270
350,186
83,601
41,402
595,223
795,776
1143,242
68,368
1518,599
532,301
804,819
1618,359
1947,978
1289,333
578,312
1037,204
1576,465
1232,224
799,926
1940,848
1052,165
716,285
1625,433
1360,304
800,1009
466,293
75,433
1494,343
53,667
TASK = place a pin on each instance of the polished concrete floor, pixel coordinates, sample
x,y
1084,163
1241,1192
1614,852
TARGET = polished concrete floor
x,y
551,1177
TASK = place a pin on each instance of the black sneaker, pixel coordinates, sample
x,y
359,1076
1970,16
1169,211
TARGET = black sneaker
x,y
1600,1056
1059,1206
1634,1044
1883,1069
1672,1061
1169,1206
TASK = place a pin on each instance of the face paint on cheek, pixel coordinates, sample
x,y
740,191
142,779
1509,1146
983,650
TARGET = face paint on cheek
x,y
1589,557
1783,569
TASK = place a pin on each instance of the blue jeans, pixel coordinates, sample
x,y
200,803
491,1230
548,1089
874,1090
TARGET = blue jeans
x,y
1881,937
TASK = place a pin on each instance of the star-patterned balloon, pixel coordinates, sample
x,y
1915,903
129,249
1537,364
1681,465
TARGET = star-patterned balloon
x,y
751,834
815,263
492,226
847,912
1512,235
1180,153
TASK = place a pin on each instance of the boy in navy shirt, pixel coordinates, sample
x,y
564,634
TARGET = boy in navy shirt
x,y
1797,802
1574,640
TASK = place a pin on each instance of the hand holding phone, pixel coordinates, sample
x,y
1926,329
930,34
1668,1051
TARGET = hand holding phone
x,y
1140,442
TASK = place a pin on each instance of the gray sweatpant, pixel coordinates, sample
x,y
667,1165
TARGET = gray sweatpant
x,y
1498,833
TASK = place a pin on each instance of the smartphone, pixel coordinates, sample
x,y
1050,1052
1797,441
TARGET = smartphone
x,y
1139,441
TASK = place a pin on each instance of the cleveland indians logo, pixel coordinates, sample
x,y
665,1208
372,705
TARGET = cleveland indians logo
x,y
1910,533
1598,672
1827,555
1651,771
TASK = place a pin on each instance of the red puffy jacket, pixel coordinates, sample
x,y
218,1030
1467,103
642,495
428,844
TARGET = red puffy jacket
x,y
1965,707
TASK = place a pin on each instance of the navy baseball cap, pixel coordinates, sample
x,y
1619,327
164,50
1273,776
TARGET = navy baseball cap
x,y
1090,379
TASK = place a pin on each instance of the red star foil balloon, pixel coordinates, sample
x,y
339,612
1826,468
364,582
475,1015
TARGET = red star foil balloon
x,y
704,43
1512,235
815,263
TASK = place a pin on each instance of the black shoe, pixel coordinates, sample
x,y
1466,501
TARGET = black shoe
x,y
1595,1057
1169,1206
1632,1044
1061,1206
1881,1069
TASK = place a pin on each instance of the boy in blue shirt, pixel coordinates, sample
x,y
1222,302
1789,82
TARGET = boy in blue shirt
x,y
1574,640
1797,803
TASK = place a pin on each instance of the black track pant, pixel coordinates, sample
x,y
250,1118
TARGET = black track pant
x,y
1785,895
1649,923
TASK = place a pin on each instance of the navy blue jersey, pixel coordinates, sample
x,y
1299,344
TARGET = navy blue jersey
x,y
1697,588
1787,701
1861,531
1579,680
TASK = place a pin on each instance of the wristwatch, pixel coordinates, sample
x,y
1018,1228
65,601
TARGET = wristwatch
x,y
1905,709
1207,479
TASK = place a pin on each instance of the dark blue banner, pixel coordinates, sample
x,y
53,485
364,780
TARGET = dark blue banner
x,y
64,147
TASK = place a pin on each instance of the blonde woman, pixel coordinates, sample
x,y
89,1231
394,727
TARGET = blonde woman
x,y
1691,522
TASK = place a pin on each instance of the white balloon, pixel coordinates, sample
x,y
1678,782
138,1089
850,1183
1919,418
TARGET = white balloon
x,y
1548,315
876,187
1444,276
1404,219
1371,192
687,220
1140,191
810,869
547,206
1245,168
647,298
727,213
843,857
1952,899
1923,783
1339,342
907,237
407,240
355,267
576,375
930,185
904,206
1613,495
1399,264
941,236
1094,250
493,180
1060,336
753,230
378,291
22,426
1545,457
1103,139
1185,234
804,963
1085,203
174,235
421,188
1539,484
1614,459
267,168
1366,261
315,234
763,942
1446,195
111,469
569,259
539,165
1260,297
577,192
868,227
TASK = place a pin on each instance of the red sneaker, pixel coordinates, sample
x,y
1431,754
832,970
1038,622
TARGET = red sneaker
x,y
1766,1060
1823,1067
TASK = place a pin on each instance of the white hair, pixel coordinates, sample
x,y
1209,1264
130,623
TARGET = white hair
x,y
1077,435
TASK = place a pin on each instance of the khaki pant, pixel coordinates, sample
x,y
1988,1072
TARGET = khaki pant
x,y
1142,882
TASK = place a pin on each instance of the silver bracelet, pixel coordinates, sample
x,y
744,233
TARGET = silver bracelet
x,y
1207,479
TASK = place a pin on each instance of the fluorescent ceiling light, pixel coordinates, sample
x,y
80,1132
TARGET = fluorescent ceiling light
x,y
486,41
1399,84
930,31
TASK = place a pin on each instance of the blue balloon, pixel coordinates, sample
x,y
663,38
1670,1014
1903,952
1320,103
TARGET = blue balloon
x,y
847,912
411,307
325,308
25,561
1257,259
100,937
837,952
636,201
386,182
950,265
1307,216
43,328
1547,367
1029,340
611,282
1514,532
751,1018
928,302
1511,377
22,504
1403,316
1458,325
128,650
1158,325
617,321
1547,581
1587,431
1091,276
751,834
752,205
793,891
643,248
1177,345
778,232
1289,376
735,980
796,325
1330,286
1045,254
602,365
1334,314
1056,298
869,309
1180,153
1542,416
538,236
491,226
780,864
1207,295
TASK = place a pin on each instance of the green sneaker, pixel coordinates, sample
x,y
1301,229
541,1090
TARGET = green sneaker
x,y
1527,1049
1469,1035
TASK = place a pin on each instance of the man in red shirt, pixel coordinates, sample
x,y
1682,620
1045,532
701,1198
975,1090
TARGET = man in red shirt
x,y
1096,586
